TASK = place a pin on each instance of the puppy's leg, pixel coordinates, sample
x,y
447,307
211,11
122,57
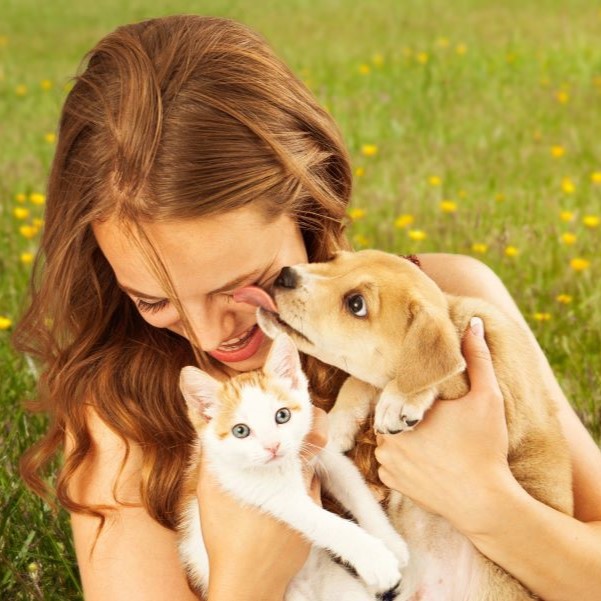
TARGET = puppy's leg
x,y
352,407
397,412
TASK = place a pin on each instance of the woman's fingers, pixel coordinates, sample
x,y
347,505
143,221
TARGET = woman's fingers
x,y
479,361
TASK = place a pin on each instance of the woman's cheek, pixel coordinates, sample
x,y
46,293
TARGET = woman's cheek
x,y
165,318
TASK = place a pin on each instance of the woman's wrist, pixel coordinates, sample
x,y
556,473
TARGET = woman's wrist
x,y
487,505
226,589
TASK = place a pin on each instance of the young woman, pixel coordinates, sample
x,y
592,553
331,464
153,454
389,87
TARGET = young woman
x,y
191,162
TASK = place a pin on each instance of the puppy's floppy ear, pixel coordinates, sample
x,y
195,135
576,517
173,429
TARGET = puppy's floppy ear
x,y
430,352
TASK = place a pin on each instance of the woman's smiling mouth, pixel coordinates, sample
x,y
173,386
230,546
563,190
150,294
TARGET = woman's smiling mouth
x,y
239,348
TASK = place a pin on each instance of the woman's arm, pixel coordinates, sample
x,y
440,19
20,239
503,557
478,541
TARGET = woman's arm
x,y
135,558
455,464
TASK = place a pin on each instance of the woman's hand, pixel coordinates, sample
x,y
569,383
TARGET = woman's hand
x,y
252,555
458,454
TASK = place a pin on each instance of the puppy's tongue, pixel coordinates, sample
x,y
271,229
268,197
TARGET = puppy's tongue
x,y
253,295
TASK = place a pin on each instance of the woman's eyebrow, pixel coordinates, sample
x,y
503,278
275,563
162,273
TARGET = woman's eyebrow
x,y
232,284
138,293
238,281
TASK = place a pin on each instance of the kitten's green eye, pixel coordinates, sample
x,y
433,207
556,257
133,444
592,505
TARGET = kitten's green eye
x,y
283,415
240,430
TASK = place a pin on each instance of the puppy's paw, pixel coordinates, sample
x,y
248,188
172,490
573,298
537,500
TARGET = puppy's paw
x,y
396,413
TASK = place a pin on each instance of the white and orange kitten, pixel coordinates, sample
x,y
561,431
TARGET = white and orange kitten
x,y
250,432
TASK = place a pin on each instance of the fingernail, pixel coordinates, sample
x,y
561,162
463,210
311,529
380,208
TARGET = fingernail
x,y
477,327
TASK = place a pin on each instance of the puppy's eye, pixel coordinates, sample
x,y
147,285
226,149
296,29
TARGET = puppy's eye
x,y
240,430
356,304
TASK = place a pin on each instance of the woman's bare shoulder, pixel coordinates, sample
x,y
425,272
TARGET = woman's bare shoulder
x,y
133,557
466,276
113,465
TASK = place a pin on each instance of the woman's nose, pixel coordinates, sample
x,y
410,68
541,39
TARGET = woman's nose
x,y
211,327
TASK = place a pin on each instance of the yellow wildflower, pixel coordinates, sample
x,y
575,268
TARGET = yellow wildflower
x,y
20,197
5,322
564,299
422,58
364,69
539,316
568,186
461,49
361,240
568,238
21,213
557,151
369,150
37,223
479,247
37,199
591,221
360,171
562,97
356,213
46,84
50,137
435,180
500,197
417,235
596,177
403,221
511,251
21,90
3,41
579,264
448,206
377,59
28,231
442,42
566,216
26,258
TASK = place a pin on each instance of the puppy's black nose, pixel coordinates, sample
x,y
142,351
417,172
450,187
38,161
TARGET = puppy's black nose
x,y
288,278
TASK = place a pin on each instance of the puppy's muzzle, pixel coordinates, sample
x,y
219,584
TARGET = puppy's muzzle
x,y
288,278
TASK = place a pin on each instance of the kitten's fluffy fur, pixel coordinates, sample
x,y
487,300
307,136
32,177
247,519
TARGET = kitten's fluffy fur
x,y
251,430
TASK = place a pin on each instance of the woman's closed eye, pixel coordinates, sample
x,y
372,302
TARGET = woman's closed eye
x,y
155,307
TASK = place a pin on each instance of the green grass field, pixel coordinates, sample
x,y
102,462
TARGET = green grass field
x,y
473,126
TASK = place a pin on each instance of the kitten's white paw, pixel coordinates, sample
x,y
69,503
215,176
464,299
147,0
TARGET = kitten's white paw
x,y
378,567
340,436
398,546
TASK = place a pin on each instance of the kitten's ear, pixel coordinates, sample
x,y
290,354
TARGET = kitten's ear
x,y
283,361
201,393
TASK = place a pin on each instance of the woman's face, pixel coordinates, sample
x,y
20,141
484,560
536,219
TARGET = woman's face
x,y
207,258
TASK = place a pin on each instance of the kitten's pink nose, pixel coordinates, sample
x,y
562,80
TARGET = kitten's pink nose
x,y
273,448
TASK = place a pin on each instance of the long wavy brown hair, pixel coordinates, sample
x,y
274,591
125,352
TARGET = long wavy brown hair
x,y
170,118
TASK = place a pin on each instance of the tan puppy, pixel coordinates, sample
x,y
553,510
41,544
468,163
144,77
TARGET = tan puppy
x,y
378,317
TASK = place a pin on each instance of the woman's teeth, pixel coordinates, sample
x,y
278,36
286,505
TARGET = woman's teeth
x,y
238,342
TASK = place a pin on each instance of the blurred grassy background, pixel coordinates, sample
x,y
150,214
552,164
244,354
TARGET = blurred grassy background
x,y
473,127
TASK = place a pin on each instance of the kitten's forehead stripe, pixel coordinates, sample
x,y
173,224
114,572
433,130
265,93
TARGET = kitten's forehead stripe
x,y
231,395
